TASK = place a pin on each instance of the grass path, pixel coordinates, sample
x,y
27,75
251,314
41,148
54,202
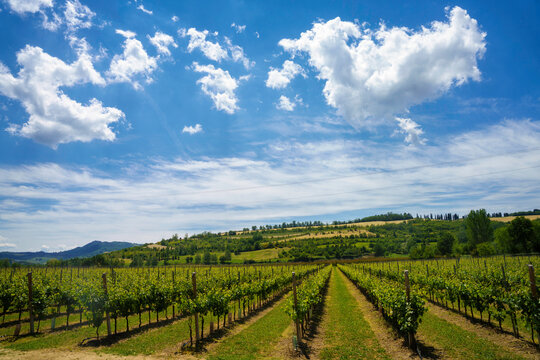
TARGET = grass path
x,y
504,340
389,339
456,342
255,341
151,341
347,333
70,339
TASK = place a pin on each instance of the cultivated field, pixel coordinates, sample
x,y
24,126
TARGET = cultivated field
x,y
454,309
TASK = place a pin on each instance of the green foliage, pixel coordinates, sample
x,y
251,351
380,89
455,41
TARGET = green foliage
x,y
472,283
485,249
478,228
445,243
92,297
308,294
522,236
404,314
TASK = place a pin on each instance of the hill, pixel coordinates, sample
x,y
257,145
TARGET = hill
x,y
91,249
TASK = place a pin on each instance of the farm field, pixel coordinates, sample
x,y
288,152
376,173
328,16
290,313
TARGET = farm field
x,y
344,311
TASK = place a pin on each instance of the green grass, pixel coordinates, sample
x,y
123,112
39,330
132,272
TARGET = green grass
x,y
457,342
523,329
256,341
151,341
348,335
55,340
71,338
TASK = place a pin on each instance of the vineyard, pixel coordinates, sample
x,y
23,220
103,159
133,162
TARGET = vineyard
x,y
454,308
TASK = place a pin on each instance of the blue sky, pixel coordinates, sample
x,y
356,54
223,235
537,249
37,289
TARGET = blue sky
x,y
135,120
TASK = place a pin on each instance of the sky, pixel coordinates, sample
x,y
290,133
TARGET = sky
x,y
136,120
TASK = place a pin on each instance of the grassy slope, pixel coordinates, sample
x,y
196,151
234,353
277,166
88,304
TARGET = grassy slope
x,y
348,335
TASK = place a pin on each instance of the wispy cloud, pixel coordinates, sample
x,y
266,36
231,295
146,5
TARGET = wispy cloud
x,y
213,50
295,179
238,28
5,244
162,42
142,8
413,132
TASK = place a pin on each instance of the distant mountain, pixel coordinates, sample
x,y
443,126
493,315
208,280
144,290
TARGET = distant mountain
x,y
88,250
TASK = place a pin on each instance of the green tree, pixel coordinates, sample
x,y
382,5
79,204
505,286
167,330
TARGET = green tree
x,y
225,258
522,235
503,243
478,228
445,243
484,249
207,258
379,249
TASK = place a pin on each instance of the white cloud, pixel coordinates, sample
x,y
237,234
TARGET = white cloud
x,y
214,50
175,18
126,33
257,34
133,62
237,54
238,28
30,6
51,25
412,130
55,118
285,104
78,16
22,7
280,78
80,45
192,129
220,86
296,179
162,42
141,7
197,40
370,76
5,244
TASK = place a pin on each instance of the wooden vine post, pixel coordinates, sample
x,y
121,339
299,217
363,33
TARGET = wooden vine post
x,y
194,281
532,280
411,339
30,308
297,323
107,315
